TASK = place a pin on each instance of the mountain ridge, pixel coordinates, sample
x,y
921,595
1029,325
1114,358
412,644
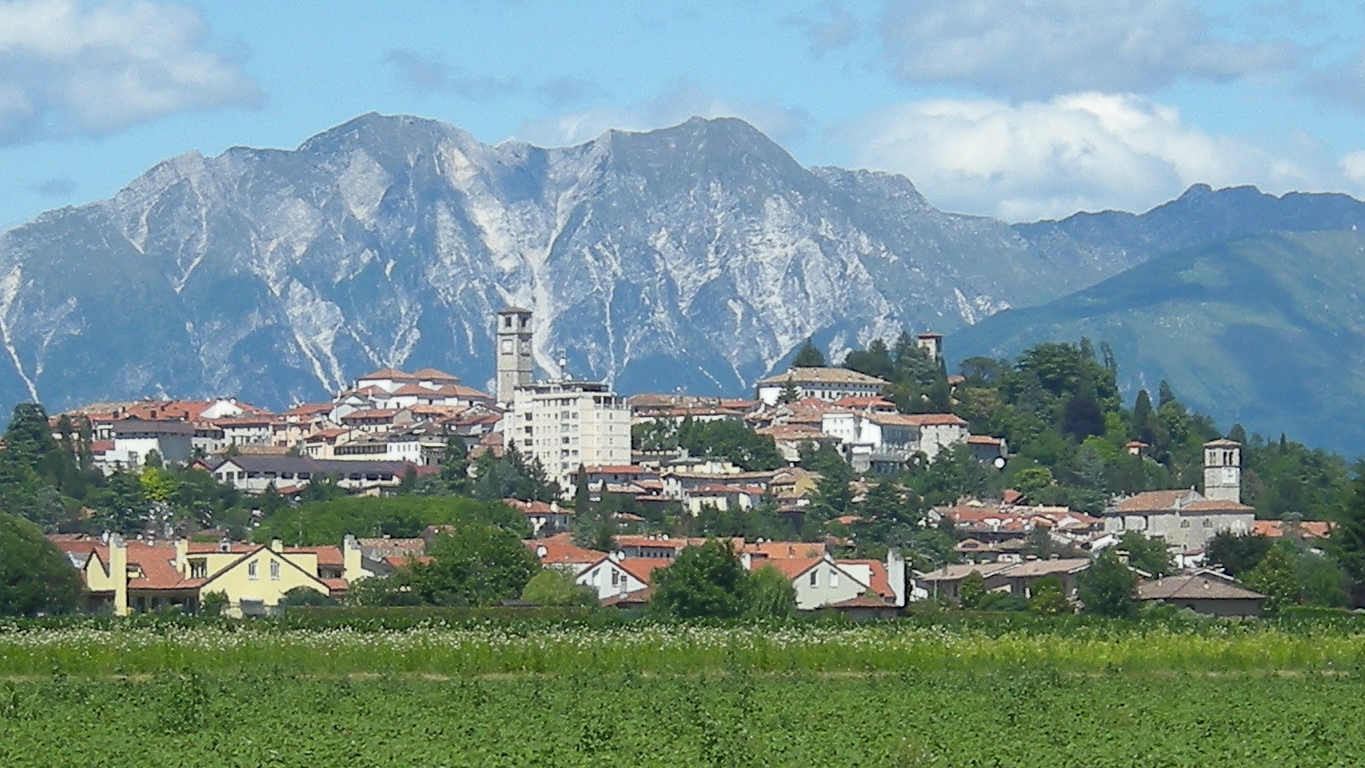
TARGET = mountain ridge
x,y
697,256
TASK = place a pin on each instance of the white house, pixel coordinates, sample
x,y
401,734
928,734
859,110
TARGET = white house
x,y
828,384
135,438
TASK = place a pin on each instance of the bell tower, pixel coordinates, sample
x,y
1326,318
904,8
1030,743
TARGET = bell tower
x,y
514,352
1223,470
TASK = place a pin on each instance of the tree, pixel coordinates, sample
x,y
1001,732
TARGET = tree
x,y
35,577
771,594
1048,599
1108,588
306,596
808,356
706,581
1348,540
789,393
1275,578
1237,553
212,604
555,587
477,565
971,590
1147,555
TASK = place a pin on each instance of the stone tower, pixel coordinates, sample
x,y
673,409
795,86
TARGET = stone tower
x,y
931,343
514,352
1223,470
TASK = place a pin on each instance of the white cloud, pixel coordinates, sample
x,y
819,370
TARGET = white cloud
x,y
839,29
1353,166
1088,151
70,68
1045,47
673,106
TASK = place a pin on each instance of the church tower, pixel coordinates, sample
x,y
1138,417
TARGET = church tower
x,y
1223,470
514,352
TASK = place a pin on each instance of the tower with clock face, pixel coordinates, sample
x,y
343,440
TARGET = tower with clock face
x,y
514,363
1223,470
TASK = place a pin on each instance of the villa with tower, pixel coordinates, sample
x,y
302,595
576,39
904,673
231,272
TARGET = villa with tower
x,y
1188,519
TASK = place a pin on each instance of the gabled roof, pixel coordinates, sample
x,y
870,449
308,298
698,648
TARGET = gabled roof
x,y
917,419
560,549
1156,501
879,581
821,376
1200,586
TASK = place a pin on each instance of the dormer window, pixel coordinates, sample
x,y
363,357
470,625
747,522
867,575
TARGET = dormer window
x,y
199,568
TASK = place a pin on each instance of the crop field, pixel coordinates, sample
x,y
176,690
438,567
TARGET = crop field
x,y
659,695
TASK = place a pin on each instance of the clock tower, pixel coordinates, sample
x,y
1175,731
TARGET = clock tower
x,y
514,352
1223,470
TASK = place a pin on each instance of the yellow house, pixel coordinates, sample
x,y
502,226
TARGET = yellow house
x,y
138,577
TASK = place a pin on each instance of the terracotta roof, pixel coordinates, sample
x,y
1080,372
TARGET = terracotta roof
x,y
372,413
1222,443
560,549
917,419
821,376
983,440
879,581
638,597
1307,529
327,555
784,549
1154,501
791,567
643,568
1215,505
392,374
433,374
1200,586
864,401
617,469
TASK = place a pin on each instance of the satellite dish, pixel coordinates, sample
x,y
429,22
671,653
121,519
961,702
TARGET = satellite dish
x,y
999,462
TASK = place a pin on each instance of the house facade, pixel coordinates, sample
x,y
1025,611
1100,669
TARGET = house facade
x,y
127,577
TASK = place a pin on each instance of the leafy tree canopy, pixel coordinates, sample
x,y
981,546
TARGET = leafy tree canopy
x,y
35,577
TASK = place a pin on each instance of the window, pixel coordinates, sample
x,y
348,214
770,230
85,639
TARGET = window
x,y
274,570
1184,523
815,578
199,568
833,579
596,577
1208,522
251,570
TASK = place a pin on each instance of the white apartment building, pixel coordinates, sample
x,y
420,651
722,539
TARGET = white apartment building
x,y
565,424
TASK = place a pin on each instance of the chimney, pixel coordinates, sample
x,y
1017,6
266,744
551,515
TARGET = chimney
x,y
276,545
118,573
182,559
895,574
352,570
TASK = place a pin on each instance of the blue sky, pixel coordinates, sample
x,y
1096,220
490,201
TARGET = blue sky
x,y
1020,109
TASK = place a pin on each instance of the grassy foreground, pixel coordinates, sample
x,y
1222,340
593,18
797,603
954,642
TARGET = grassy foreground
x,y
1006,718
483,649
664,695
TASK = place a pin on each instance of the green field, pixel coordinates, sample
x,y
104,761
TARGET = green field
x,y
659,695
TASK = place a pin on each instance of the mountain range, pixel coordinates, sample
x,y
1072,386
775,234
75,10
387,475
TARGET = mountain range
x,y
696,257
